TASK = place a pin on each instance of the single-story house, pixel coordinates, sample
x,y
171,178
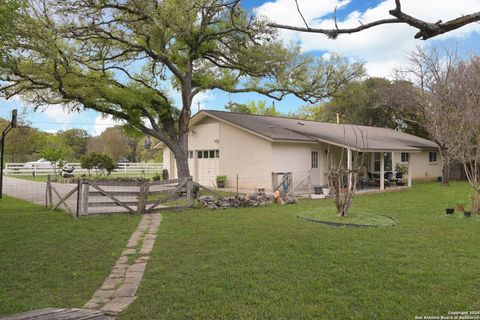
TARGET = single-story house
x,y
253,147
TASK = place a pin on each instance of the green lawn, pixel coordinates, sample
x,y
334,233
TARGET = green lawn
x,y
266,263
49,259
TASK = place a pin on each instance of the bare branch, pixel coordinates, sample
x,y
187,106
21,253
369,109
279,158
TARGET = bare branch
x,y
426,30
301,15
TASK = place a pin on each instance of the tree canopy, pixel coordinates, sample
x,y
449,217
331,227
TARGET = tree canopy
x,y
125,58
377,102
253,107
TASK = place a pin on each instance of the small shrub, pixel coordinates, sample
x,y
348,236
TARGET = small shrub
x,y
54,156
221,179
99,162
401,169
157,177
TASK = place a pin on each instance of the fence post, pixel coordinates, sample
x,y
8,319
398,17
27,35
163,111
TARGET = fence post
x,y
50,195
84,200
143,197
189,192
79,197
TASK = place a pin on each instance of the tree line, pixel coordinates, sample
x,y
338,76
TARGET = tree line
x,y
26,143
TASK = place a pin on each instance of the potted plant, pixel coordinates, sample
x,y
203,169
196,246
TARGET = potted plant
x,y
317,189
326,191
460,206
221,181
449,210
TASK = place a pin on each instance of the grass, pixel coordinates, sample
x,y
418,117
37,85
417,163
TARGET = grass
x,y
49,259
265,263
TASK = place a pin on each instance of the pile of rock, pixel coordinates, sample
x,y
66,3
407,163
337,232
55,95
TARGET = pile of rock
x,y
249,200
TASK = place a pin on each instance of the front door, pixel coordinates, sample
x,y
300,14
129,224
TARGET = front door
x,y
207,167
315,168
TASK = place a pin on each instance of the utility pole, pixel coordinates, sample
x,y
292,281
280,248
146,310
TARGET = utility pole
x,y
11,125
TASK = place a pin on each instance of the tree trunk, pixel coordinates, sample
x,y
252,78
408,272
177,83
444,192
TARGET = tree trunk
x,y
181,156
476,201
446,171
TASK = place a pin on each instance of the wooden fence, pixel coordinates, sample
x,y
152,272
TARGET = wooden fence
x,y
23,169
136,197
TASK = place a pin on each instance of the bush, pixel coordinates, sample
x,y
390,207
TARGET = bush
x,y
221,179
99,162
157,177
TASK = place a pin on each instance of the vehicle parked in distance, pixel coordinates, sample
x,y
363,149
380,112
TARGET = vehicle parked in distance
x,y
40,163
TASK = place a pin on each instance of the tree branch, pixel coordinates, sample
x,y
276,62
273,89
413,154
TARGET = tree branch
x,y
426,30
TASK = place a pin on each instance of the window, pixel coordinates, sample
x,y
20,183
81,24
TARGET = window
x,y
432,157
207,154
314,159
405,157
190,154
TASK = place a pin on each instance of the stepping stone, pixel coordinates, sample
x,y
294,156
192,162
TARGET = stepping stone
x,y
127,252
137,267
111,283
118,304
126,290
103,294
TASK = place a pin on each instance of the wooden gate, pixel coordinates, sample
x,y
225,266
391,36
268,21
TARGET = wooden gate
x,y
104,197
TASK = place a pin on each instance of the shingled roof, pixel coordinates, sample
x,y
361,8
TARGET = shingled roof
x,y
361,138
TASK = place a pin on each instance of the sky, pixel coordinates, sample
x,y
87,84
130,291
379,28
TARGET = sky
x,y
381,49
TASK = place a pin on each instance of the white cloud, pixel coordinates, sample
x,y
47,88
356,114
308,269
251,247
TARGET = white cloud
x,y
381,47
200,101
102,122
58,114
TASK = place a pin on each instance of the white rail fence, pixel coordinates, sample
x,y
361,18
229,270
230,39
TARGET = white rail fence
x,y
21,169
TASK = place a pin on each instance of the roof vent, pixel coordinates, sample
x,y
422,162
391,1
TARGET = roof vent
x,y
271,126
301,123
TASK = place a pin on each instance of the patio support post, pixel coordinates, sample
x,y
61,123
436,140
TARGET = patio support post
x,y
409,170
382,171
349,167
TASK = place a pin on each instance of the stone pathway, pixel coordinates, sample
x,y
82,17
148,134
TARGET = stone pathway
x,y
119,289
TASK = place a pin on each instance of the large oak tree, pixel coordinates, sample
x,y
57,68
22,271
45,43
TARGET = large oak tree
x,y
124,58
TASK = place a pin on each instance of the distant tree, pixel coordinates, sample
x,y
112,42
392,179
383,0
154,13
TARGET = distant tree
x,y
431,70
374,102
76,140
23,143
238,107
253,107
465,124
55,157
122,58
113,142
